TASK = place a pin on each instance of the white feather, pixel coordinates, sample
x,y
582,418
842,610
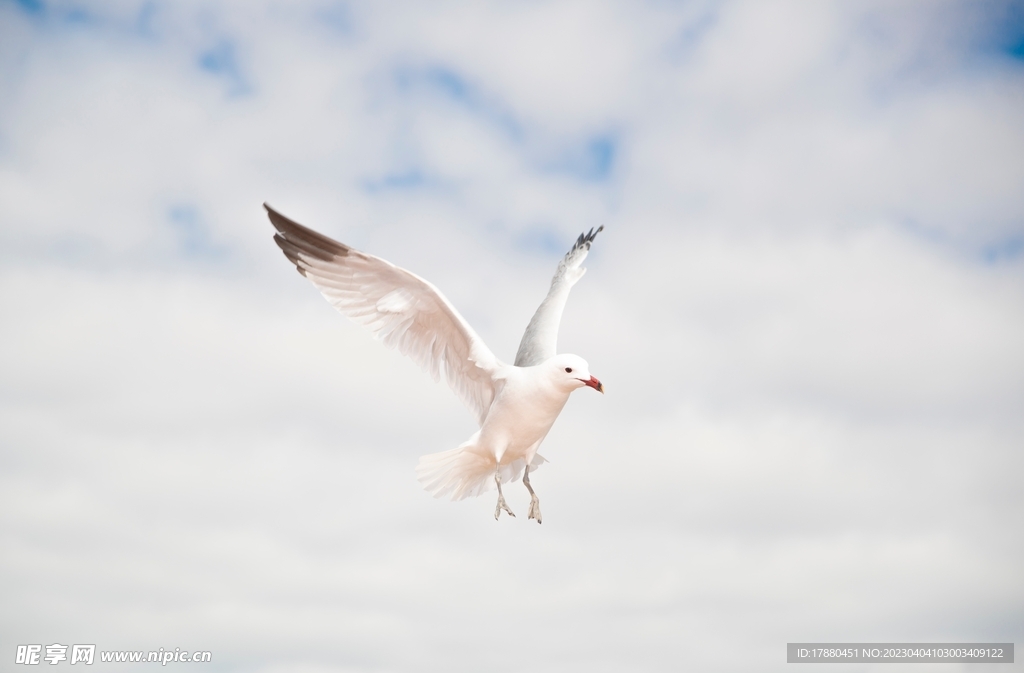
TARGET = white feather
x,y
540,341
400,308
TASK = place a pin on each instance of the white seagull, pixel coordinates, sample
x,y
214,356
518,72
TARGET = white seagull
x,y
515,405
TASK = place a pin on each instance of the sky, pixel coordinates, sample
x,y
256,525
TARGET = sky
x,y
807,308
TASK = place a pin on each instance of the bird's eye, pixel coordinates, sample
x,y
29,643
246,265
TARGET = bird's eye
x,y
568,370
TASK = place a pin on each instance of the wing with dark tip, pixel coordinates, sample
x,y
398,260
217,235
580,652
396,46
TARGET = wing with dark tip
x,y
540,340
400,308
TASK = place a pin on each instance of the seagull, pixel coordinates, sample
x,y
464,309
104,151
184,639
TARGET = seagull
x,y
514,405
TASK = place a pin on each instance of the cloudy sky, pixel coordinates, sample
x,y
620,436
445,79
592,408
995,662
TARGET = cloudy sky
x,y
807,307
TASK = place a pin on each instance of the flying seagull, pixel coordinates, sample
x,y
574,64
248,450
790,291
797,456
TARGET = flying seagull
x,y
515,405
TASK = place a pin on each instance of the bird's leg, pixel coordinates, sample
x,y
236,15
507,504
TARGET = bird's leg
x,y
501,500
534,512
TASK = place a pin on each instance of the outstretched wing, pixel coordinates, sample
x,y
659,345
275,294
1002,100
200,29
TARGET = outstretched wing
x,y
539,341
400,308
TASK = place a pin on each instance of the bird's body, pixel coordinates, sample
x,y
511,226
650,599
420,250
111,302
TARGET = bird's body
x,y
522,414
519,418
515,405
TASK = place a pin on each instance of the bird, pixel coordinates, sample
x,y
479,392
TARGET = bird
x,y
514,405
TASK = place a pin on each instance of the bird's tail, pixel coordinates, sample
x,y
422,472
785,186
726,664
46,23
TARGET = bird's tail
x,y
467,471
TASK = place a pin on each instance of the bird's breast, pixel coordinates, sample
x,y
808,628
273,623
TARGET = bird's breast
x,y
520,417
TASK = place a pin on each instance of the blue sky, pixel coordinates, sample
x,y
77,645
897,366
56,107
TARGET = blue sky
x,y
806,306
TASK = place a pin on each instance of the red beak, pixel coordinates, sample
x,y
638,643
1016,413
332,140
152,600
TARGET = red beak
x,y
595,384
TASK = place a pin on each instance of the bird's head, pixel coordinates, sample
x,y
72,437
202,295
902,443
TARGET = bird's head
x,y
572,372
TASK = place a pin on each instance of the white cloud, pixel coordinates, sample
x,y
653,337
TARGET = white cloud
x,y
805,307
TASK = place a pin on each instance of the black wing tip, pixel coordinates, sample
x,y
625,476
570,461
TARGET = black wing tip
x,y
280,222
587,238
303,237
272,212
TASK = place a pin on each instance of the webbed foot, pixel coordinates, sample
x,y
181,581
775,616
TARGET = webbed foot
x,y
535,509
502,505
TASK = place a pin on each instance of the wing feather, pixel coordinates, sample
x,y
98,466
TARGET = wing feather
x,y
540,340
402,310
